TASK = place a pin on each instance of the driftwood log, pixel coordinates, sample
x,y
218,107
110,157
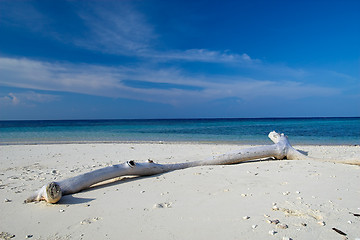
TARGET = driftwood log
x,y
281,149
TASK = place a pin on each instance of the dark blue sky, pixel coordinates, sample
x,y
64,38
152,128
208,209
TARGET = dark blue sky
x,y
179,59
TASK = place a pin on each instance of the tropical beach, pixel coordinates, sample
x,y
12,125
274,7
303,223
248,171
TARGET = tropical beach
x,y
179,120
282,199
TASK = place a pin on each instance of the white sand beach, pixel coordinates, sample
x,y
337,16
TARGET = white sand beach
x,y
297,199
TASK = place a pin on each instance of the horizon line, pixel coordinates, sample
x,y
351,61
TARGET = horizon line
x,y
196,118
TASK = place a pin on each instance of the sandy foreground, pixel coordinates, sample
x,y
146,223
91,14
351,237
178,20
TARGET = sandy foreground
x,y
258,200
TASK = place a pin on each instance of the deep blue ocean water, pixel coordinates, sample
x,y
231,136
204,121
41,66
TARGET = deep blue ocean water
x,y
324,131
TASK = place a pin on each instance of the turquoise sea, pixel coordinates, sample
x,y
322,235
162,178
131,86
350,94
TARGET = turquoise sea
x,y
323,131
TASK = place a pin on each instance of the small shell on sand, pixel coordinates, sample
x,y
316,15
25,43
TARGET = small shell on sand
x,y
272,232
275,221
321,223
85,221
282,226
275,208
162,205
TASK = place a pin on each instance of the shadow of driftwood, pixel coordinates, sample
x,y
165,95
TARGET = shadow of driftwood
x,y
258,160
116,181
303,152
70,199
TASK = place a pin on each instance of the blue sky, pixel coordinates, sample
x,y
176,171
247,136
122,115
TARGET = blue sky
x,y
179,59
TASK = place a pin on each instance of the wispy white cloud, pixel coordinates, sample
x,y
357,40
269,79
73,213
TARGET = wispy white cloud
x,y
121,29
117,28
201,55
110,82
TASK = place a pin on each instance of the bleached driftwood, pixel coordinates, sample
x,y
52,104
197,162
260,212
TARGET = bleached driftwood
x,y
53,191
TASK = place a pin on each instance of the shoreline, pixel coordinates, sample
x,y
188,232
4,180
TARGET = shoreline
x,y
238,143
209,202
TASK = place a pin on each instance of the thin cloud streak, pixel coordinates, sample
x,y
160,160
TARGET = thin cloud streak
x,y
201,55
107,81
124,31
116,29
